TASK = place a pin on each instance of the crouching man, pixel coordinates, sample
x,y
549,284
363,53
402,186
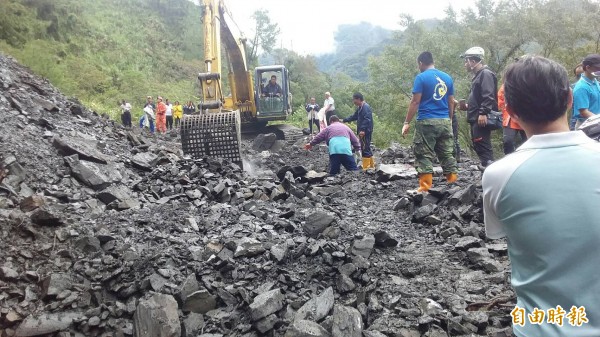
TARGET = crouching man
x,y
340,140
549,218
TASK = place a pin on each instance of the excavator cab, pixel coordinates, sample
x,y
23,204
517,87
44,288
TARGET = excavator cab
x,y
272,93
253,100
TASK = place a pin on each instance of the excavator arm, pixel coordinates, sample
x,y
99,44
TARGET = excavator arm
x,y
216,131
220,31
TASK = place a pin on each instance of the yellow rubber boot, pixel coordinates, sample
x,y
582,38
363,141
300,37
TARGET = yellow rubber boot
x,y
451,177
425,182
372,162
366,162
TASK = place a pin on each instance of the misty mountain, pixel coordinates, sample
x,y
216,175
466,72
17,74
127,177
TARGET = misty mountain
x,y
354,43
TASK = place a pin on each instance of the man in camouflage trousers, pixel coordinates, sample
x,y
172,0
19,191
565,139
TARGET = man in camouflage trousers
x,y
433,103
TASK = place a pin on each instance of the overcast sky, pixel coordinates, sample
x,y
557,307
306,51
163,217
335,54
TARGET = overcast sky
x,y
308,26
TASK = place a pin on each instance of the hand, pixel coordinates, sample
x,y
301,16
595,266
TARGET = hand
x,y
307,147
405,129
482,121
462,105
361,134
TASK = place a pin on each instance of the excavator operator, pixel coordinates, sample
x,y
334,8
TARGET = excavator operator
x,y
272,89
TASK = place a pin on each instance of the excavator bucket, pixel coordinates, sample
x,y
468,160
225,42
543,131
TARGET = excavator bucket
x,y
215,134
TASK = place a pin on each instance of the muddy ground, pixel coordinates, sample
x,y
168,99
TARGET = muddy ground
x,y
113,232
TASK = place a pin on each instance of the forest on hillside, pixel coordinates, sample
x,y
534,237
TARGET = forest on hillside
x,y
101,51
104,51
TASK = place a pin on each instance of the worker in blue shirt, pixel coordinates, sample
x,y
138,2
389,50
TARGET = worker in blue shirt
x,y
433,103
572,117
586,94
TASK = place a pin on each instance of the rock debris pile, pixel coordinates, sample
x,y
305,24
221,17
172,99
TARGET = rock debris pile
x,y
109,232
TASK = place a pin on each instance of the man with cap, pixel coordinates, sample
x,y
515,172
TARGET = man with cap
x,y
586,94
482,100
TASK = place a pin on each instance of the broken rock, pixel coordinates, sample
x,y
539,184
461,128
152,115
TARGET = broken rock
x,y
157,317
249,247
264,142
32,203
144,161
266,324
316,308
393,172
88,244
424,211
266,303
189,286
317,222
385,240
44,217
345,284
303,328
193,324
68,147
200,302
8,274
90,174
467,242
55,284
36,325
465,196
364,246
114,193
278,252
312,177
347,322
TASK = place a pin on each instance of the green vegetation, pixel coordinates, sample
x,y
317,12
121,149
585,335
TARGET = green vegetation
x,y
564,30
104,51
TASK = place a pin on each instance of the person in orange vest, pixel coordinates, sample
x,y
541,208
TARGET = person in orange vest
x,y
510,128
161,116
177,113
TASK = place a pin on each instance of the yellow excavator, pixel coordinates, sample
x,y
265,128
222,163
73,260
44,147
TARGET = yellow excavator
x,y
254,98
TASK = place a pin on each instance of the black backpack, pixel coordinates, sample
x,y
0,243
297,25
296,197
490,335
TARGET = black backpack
x,y
591,127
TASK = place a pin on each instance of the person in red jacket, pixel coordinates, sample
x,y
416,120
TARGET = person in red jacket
x,y
161,116
510,128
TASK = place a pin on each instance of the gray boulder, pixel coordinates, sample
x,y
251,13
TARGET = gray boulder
x,y
347,322
157,317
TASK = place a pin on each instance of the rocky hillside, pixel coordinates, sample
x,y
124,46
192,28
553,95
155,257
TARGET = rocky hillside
x,y
109,232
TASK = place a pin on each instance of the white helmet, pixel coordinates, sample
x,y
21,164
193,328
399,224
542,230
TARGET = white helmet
x,y
477,52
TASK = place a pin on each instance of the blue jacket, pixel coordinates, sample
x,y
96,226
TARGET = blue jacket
x,y
363,117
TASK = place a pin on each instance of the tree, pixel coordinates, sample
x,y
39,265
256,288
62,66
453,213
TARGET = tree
x,y
265,35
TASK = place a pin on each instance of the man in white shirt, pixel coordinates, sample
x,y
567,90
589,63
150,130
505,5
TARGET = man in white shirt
x,y
169,114
329,106
548,215
126,114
